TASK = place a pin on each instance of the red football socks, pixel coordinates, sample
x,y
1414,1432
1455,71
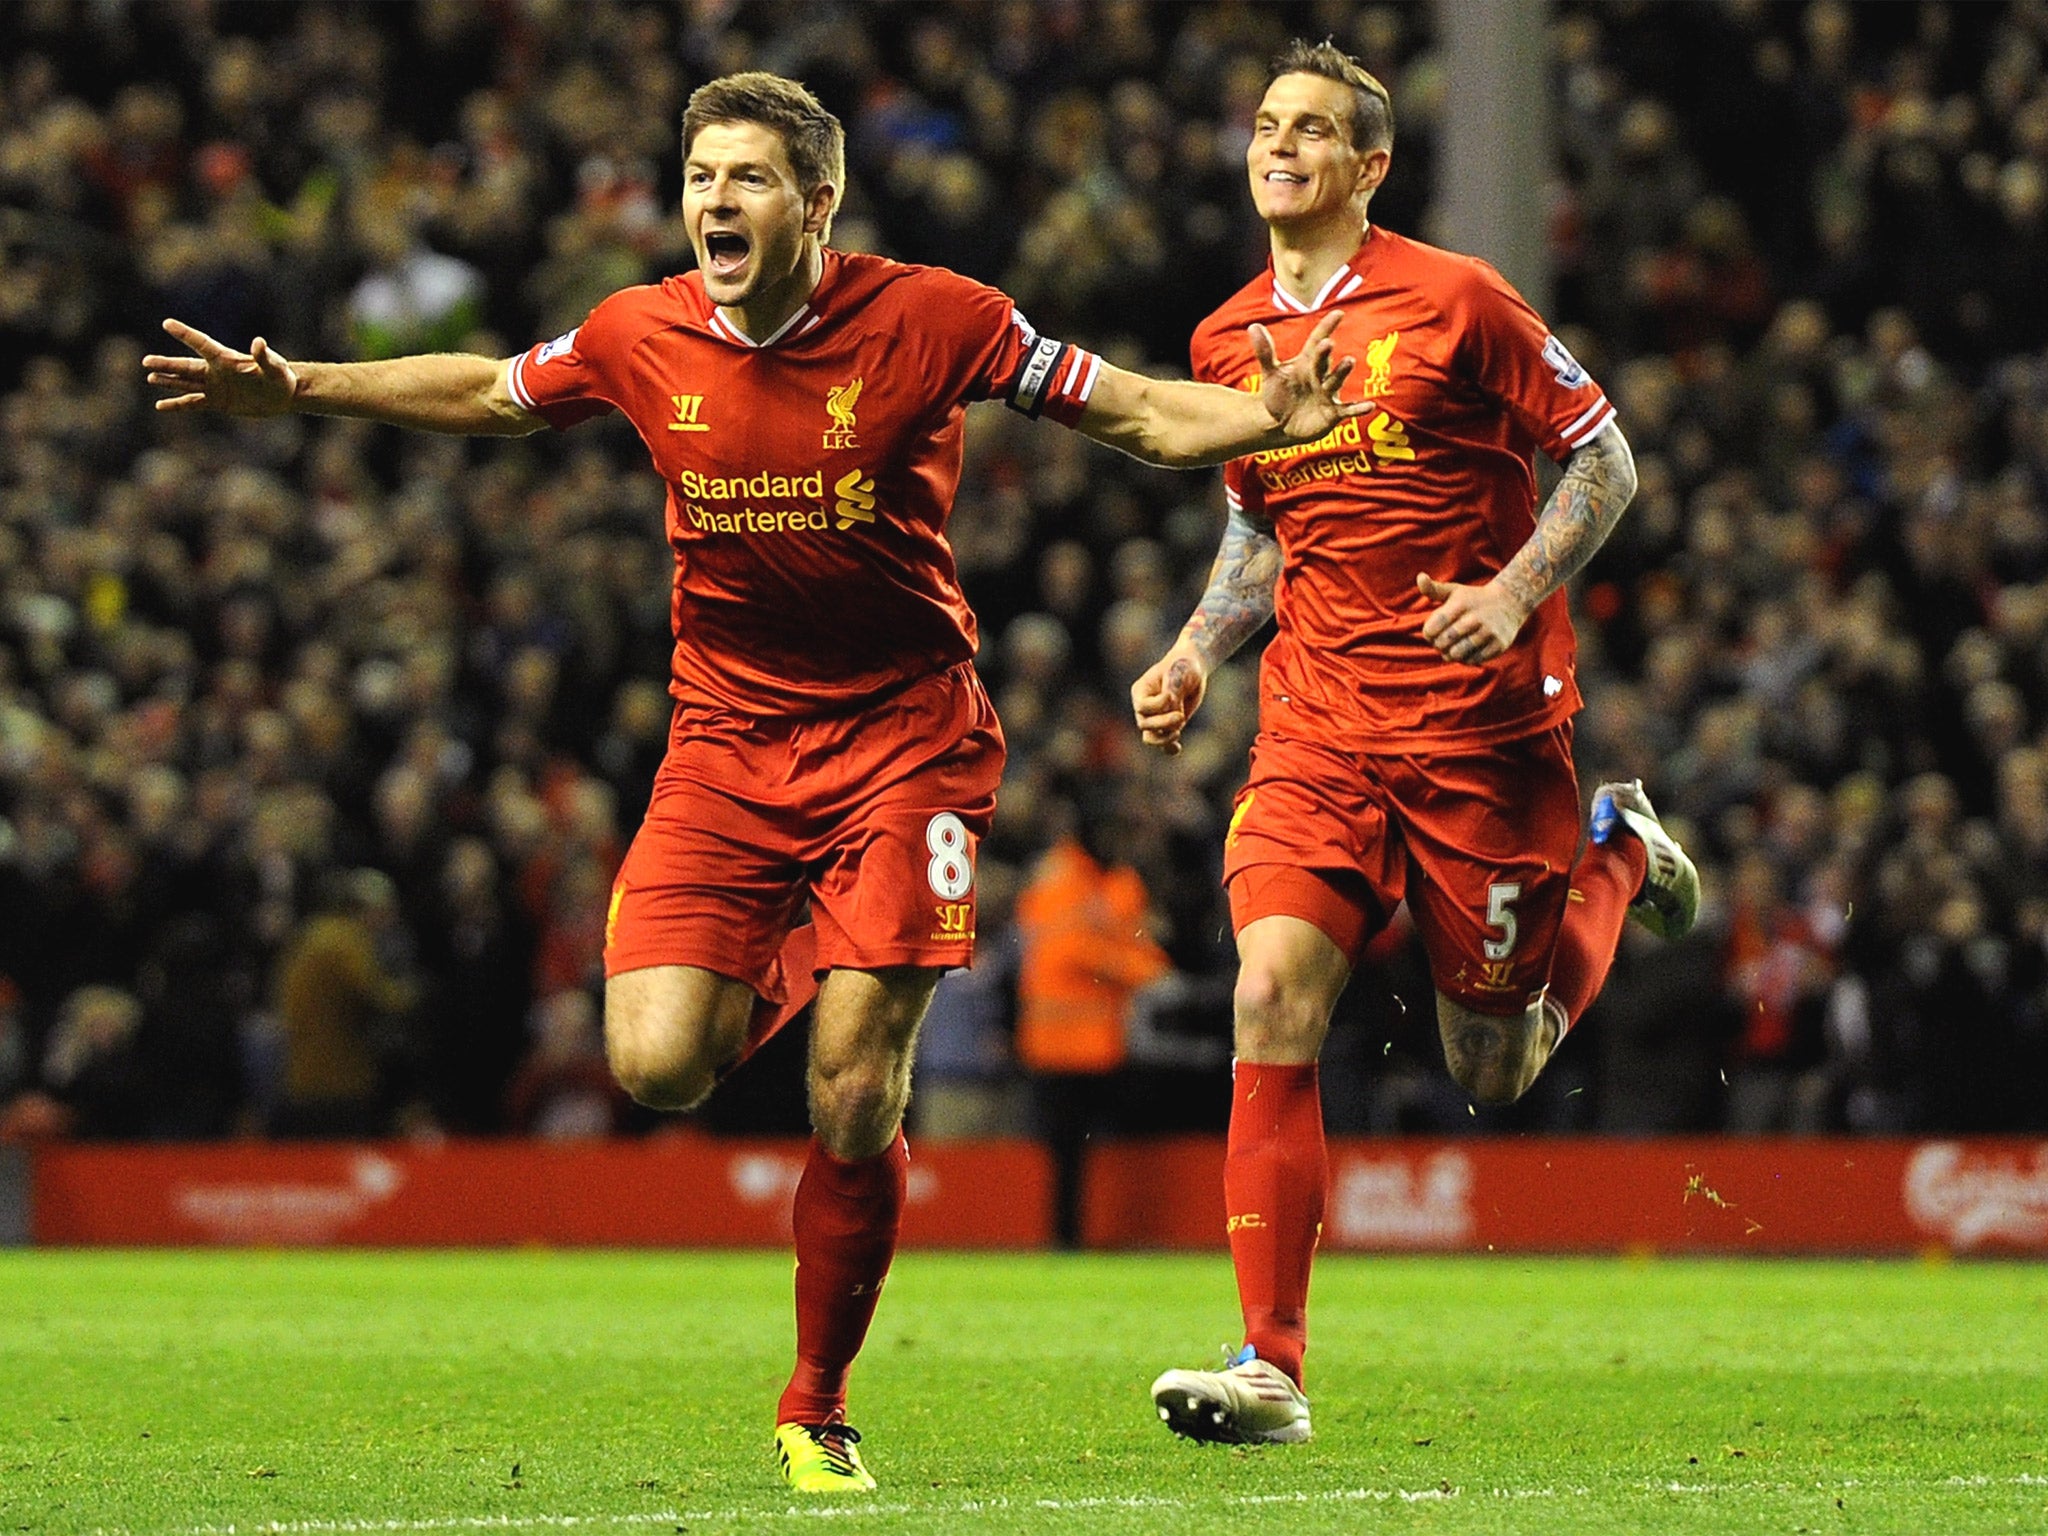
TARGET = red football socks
x,y
1604,882
1276,1173
847,1217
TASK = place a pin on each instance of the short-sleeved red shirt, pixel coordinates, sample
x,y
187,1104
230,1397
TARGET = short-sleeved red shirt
x,y
1439,479
809,475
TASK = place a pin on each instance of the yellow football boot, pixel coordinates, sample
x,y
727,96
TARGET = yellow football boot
x,y
822,1458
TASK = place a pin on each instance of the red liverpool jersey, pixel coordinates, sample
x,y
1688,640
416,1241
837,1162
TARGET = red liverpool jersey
x,y
1439,479
809,475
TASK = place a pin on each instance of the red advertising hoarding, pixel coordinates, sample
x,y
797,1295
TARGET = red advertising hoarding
x,y
1560,1196
681,1190
1563,1196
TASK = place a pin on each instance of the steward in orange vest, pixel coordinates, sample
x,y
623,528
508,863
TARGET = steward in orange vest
x,y
1086,954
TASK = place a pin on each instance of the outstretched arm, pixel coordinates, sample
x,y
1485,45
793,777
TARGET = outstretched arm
x,y
1476,624
439,392
1181,425
1239,599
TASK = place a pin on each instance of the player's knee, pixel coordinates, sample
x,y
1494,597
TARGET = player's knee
x,y
668,1033
661,1067
861,1049
1279,1018
657,1076
857,1105
1495,1060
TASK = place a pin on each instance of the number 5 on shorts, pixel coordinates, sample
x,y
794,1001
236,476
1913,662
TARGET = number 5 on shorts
x,y
1500,913
951,870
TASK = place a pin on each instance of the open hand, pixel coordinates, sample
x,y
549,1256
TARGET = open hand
x,y
1471,624
1166,697
1301,393
257,382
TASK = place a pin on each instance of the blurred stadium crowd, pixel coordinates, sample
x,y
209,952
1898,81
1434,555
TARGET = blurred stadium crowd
x,y
319,744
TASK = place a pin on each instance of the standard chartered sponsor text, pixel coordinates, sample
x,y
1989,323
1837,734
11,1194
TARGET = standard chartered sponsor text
x,y
1352,447
854,506
747,520
1359,463
763,486
1346,434
696,489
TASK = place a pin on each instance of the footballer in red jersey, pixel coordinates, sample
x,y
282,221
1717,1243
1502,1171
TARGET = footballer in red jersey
x,y
831,742
1415,704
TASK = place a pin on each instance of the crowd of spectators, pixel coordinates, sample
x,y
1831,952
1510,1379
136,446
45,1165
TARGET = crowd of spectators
x,y
319,744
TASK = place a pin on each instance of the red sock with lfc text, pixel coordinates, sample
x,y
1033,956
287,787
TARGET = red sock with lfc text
x,y
1276,1172
1604,882
847,1218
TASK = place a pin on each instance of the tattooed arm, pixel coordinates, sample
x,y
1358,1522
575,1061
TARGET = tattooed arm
x,y
1476,624
1239,599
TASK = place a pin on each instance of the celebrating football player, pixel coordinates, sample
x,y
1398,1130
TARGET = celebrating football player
x,y
1415,707
831,741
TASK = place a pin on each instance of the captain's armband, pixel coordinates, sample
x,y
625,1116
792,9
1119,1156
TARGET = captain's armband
x,y
1054,380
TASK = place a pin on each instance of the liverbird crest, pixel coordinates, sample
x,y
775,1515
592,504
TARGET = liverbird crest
x,y
839,402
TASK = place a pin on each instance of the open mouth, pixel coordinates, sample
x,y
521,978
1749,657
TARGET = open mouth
x,y
725,253
1286,179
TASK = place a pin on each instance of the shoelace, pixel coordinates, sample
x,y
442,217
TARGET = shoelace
x,y
833,1439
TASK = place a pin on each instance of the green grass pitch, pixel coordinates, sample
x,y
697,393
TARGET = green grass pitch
x,y
604,1392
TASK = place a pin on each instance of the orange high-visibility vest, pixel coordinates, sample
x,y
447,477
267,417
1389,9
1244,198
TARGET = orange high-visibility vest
x,y
1086,953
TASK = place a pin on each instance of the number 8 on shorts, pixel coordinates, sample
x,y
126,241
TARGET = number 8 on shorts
x,y
951,870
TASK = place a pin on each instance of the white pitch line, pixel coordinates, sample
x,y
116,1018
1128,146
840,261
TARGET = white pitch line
x,y
734,1516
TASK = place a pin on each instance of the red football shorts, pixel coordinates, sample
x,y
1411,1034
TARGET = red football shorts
x,y
1479,844
874,815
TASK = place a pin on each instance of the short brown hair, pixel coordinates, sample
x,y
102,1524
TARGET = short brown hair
x,y
1372,109
812,137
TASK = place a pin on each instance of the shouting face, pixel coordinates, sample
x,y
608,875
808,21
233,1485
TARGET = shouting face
x,y
745,213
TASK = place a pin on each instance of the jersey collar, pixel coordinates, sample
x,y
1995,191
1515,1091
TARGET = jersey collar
x,y
1343,282
800,322
808,315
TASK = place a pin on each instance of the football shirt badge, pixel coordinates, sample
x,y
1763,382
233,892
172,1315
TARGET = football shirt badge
x,y
1564,365
839,403
1379,366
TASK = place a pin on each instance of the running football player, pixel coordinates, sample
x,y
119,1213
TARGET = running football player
x,y
831,741
1415,706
